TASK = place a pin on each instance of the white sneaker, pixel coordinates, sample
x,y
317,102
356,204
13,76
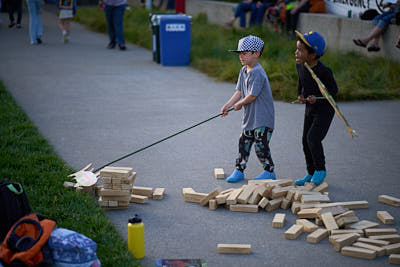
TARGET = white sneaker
x,y
65,37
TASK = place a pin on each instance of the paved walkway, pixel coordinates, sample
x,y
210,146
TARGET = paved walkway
x,y
94,105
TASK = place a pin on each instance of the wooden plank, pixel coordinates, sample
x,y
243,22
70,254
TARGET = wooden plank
x,y
336,210
347,231
389,200
273,204
226,191
361,225
345,214
309,213
279,192
279,220
244,197
391,248
380,231
139,199
379,250
142,191
329,221
347,220
244,208
362,204
338,244
117,173
315,198
110,192
309,227
212,204
379,243
158,193
278,182
324,187
298,195
394,259
385,217
391,238
194,197
359,253
234,248
285,204
317,235
117,198
232,198
263,190
334,238
211,195
263,203
294,231
219,173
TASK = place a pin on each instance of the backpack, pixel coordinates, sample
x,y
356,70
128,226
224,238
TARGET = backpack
x,y
14,205
369,14
26,242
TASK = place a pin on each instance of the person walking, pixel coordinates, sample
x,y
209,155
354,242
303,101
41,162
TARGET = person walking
x,y
114,10
12,7
35,22
67,10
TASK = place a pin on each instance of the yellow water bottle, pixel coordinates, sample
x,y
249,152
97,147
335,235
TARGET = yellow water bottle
x,y
136,237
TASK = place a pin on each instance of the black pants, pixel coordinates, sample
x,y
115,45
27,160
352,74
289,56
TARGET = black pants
x,y
316,126
14,6
261,136
291,20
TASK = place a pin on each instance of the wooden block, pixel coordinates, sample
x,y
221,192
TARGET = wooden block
x,y
158,193
309,227
347,231
106,180
186,190
139,199
126,186
345,214
244,208
279,192
108,186
385,217
308,186
193,197
123,203
392,248
244,197
279,220
221,199
380,231
359,253
219,173
116,180
319,222
117,198
290,194
336,210
324,187
379,243
115,173
278,182
299,193
226,191
379,250
212,204
102,202
142,191
263,203
294,231
232,198
390,238
347,220
273,204
362,204
329,221
234,248
117,187
389,200
127,169
296,207
255,198
285,204
112,203
338,244
309,213
317,235
315,198
394,259
110,192
361,225
130,180
334,238
211,195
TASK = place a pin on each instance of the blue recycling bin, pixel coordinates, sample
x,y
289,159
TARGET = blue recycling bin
x,y
175,39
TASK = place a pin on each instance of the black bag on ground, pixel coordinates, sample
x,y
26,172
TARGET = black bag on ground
x,y
14,205
369,14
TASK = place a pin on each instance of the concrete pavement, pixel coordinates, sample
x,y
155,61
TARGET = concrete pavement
x,y
94,105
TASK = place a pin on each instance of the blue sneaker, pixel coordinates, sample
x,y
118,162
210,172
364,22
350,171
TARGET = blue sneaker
x,y
305,179
265,175
318,177
236,176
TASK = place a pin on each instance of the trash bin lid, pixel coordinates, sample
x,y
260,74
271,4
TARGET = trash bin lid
x,y
157,18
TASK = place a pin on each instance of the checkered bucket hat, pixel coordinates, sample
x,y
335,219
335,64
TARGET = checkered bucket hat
x,y
249,43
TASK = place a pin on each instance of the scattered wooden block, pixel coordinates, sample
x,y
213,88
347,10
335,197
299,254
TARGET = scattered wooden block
x,y
390,238
362,204
221,199
308,186
232,198
315,198
142,191
244,197
234,248
347,220
347,231
278,182
296,207
394,259
391,248
329,221
219,173
336,210
309,213
380,231
361,225
226,191
273,204
139,199
263,203
385,217
211,195
300,193
279,192
212,204
345,214
389,200
379,243
186,190
294,231
158,193
194,197
255,197
279,220
322,188
359,253
244,208
309,227
319,222
379,250
338,244
334,238
317,235
285,204
263,190
290,194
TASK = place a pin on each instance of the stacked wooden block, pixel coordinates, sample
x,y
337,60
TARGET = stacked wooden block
x,y
117,185
141,194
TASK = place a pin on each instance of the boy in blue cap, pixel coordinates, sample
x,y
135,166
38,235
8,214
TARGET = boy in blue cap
x,y
253,93
318,113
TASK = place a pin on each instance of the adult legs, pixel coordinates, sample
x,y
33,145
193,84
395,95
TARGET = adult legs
x,y
260,11
18,8
118,19
35,23
295,17
108,10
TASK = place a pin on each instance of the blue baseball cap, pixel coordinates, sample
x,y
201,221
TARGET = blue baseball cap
x,y
313,40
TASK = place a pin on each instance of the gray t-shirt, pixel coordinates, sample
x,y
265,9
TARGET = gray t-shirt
x,y
260,112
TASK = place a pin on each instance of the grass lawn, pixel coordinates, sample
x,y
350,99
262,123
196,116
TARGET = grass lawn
x,y
358,77
26,157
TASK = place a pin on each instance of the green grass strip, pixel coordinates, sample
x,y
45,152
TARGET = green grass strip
x,y
358,77
26,157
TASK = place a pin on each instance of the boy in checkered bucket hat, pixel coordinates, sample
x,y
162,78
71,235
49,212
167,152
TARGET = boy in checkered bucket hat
x,y
253,93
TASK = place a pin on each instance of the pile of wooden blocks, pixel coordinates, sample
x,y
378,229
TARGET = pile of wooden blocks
x,y
115,192
141,194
